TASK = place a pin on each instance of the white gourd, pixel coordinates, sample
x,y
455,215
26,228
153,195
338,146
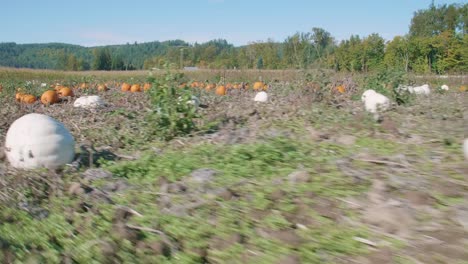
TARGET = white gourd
x,y
90,101
375,102
261,97
423,89
195,101
444,87
38,141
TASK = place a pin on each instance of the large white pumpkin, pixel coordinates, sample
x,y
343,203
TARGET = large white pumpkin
x,y
38,141
375,102
90,101
261,97
423,89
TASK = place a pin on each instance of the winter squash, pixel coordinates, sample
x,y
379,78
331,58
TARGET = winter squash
x,y
58,87
135,88
194,84
89,102
49,97
210,86
229,86
193,101
147,86
258,85
221,90
340,89
84,86
65,92
265,87
375,102
18,96
125,87
261,97
28,99
102,87
37,141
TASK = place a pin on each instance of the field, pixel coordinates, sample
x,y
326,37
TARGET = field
x,y
308,177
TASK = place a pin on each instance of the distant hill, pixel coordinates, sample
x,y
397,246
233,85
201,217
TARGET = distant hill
x,y
55,55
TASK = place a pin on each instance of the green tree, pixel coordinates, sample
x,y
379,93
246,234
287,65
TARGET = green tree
x,y
102,59
373,51
117,63
322,40
398,53
260,63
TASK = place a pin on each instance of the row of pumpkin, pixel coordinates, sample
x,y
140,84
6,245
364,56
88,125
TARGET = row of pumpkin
x,y
59,91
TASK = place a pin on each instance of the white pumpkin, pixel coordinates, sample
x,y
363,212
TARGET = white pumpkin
x,y
90,101
195,101
375,102
37,141
444,87
465,148
423,89
261,97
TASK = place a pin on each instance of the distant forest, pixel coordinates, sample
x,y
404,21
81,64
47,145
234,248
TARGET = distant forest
x,y
437,42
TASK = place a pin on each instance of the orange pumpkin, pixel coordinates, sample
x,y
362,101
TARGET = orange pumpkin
x,y
102,87
65,91
463,88
49,97
84,86
28,99
220,90
340,89
18,96
229,86
210,86
125,87
258,85
147,86
135,88
194,84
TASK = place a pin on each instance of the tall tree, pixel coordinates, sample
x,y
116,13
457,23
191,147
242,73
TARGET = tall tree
x,y
321,39
102,59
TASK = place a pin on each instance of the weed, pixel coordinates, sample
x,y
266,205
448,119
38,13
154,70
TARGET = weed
x,y
172,113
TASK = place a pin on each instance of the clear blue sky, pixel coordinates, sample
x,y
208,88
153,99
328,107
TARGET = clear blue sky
x,y
99,22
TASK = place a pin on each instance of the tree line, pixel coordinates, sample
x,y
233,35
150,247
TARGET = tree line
x,y
437,42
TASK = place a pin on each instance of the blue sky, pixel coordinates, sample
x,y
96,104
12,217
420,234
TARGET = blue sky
x,y
97,22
